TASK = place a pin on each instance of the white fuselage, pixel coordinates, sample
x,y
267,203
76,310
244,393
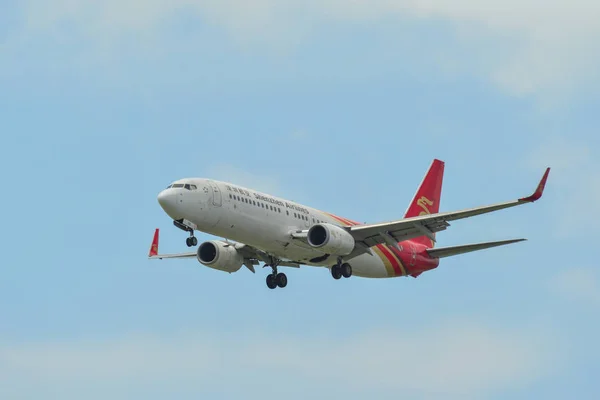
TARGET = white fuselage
x,y
257,219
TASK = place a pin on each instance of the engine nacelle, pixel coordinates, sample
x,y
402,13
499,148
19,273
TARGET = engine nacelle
x,y
220,255
330,239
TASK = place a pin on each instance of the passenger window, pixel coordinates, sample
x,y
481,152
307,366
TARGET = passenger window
x,y
229,195
295,215
287,212
253,202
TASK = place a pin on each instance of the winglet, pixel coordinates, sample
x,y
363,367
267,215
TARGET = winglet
x,y
539,191
154,246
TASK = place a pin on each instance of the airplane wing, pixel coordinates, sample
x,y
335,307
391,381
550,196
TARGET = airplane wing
x,y
154,250
251,255
426,225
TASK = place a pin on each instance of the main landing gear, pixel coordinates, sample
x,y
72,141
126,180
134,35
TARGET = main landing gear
x,y
341,269
275,279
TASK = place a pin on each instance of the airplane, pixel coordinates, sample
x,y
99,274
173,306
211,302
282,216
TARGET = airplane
x,y
259,227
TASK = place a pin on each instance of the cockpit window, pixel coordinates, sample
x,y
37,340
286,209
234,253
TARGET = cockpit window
x,y
178,185
169,187
193,187
187,186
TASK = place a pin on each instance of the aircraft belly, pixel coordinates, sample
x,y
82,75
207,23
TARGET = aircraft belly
x,y
368,266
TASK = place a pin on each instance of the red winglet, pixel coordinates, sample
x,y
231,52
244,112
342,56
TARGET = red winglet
x,y
540,189
154,247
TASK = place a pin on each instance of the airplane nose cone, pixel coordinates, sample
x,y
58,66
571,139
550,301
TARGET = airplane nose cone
x,y
168,201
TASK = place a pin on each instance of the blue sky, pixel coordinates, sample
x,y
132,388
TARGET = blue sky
x,y
338,105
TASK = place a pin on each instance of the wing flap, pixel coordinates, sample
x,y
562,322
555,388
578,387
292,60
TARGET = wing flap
x,y
467,248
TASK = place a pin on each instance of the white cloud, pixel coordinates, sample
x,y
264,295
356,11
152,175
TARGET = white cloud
x,y
456,359
577,284
524,46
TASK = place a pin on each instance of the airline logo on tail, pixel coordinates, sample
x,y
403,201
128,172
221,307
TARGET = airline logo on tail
x,y
424,203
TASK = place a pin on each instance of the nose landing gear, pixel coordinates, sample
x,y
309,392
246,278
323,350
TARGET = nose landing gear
x,y
191,241
187,226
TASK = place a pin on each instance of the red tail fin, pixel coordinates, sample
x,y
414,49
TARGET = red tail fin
x,y
154,246
427,198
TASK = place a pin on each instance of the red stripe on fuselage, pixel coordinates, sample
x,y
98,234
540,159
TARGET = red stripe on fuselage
x,y
391,258
345,221
399,255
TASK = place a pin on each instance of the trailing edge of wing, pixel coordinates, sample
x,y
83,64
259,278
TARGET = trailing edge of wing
x,y
467,248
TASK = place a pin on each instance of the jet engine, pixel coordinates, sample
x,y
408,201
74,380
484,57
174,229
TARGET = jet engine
x,y
220,255
330,239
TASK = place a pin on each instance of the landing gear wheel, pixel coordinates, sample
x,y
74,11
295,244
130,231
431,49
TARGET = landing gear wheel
x,y
346,270
336,272
281,280
188,241
194,241
271,281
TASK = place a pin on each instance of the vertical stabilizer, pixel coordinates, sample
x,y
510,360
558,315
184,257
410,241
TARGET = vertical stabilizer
x,y
427,198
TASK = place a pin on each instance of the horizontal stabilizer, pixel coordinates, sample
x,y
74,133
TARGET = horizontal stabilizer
x,y
467,248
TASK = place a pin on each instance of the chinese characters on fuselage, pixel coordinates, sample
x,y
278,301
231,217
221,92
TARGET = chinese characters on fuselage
x,y
267,199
